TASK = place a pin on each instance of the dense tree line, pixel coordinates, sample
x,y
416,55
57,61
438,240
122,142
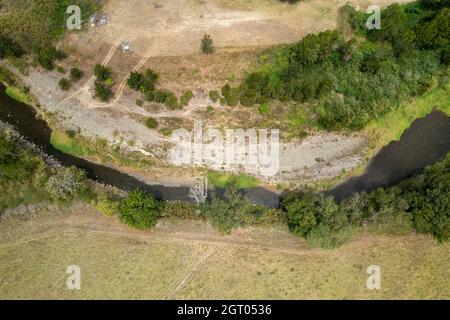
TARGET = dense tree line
x,y
420,203
350,82
26,179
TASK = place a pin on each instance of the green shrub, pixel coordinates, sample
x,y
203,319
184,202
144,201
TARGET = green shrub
x,y
107,206
183,210
139,102
9,48
207,46
102,73
171,101
151,123
225,214
102,91
75,74
47,56
64,84
135,80
214,95
186,98
139,210
230,94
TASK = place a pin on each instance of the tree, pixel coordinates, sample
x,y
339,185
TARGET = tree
x,y
9,48
301,215
64,84
102,91
139,210
435,33
75,74
199,192
207,46
135,80
395,30
227,213
47,56
101,72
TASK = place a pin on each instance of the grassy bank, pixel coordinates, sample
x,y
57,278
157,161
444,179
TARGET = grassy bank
x,y
391,126
19,95
67,144
223,180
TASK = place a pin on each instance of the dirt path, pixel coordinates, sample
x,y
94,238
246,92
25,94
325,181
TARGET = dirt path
x,y
195,269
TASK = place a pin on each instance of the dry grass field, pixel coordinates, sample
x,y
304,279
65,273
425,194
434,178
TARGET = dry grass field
x,y
188,260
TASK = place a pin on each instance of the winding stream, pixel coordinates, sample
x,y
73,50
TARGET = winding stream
x,y
23,118
425,142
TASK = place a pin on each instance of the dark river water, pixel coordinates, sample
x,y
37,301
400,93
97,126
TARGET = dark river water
x,y
425,142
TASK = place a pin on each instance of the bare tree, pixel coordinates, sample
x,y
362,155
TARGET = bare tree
x,y
199,192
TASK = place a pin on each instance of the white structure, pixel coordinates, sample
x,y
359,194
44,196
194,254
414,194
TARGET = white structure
x,y
126,46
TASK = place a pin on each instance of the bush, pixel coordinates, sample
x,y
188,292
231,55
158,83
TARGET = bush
x,y
183,210
186,98
9,48
207,46
64,84
214,95
102,91
135,80
75,74
151,123
445,56
102,73
171,101
230,94
318,218
139,210
47,56
435,33
225,214
107,206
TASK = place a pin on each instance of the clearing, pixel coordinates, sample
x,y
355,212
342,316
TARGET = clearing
x,y
189,260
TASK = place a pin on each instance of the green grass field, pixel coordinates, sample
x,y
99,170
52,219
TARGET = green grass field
x,y
190,260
